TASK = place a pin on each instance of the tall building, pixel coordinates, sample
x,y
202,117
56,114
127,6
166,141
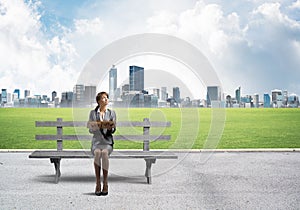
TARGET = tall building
x,y
78,91
54,94
4,96
285,97
136,78
277,98
125,89
156,92
256,100
267,100
26,93
66,99
17,91
163,95
293,101
90,94
113,75
176,94
238,95
213,94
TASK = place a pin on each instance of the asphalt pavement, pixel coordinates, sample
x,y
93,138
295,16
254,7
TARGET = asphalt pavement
x,y
197,180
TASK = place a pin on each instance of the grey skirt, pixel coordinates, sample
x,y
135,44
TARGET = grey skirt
x,y
102,146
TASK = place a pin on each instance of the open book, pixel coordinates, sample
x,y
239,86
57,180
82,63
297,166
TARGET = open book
x,y
101,124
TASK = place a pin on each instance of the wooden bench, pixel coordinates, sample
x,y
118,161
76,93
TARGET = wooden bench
x,y
145,153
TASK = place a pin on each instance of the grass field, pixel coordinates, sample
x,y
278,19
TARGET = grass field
x,y
243,128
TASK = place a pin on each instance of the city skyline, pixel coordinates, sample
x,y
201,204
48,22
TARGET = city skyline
x,y
136,82
253,44
237,95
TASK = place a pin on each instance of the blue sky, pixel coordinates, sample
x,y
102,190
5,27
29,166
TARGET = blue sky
x,y
254,44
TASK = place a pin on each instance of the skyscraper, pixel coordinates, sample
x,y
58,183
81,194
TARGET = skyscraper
x,y
277,98
17,91
213,94
136,78
238,95
78,91
26,93
176,94
4,96
113,75
54,94
164,94
256,100
90,94
267,100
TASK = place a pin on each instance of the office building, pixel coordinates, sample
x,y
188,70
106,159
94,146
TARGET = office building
x,y
267,100
66,99
133,99
113,75
125,88
26,93
15,97
3,96
284,97
54,94
90,95
163,95
156,92
78,91
255,101
229,102
246,101
136,78
17,91
238,95
293,101
176,95
213,94
277,98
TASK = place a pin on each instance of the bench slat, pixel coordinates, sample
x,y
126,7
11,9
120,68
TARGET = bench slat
x,y
143,124
84,124
60,124
116,154
116,137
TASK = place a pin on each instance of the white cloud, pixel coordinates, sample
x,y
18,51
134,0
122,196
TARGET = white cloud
x,y
85,26
28,59
204,22
22,51
163,22
247,46
248,55
295,5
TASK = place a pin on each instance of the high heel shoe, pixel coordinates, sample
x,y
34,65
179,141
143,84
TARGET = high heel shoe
x,y
98,190
104,191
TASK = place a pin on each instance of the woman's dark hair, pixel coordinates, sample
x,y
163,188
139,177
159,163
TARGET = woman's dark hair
x,y
99,95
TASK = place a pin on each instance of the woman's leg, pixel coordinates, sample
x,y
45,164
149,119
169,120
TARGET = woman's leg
x,y
105,165
97,166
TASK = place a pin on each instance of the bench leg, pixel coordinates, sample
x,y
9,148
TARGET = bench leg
x,y
56,162
148,169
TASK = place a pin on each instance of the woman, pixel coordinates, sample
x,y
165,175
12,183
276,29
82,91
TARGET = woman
x,y
102,143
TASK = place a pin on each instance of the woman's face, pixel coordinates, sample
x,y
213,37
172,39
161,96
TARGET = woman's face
x,y
103,100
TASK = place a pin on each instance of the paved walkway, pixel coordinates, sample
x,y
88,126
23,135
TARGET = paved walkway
x,y
224,180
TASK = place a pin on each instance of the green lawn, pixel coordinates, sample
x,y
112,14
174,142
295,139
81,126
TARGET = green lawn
x,y
243,128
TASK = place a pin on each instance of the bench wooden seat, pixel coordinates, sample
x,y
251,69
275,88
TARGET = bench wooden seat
x,y
119,154
150,157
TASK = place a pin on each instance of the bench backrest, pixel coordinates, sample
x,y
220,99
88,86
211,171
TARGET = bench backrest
x,y
60,124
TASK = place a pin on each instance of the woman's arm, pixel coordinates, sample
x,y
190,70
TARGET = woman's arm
x,y
114,119
93,128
